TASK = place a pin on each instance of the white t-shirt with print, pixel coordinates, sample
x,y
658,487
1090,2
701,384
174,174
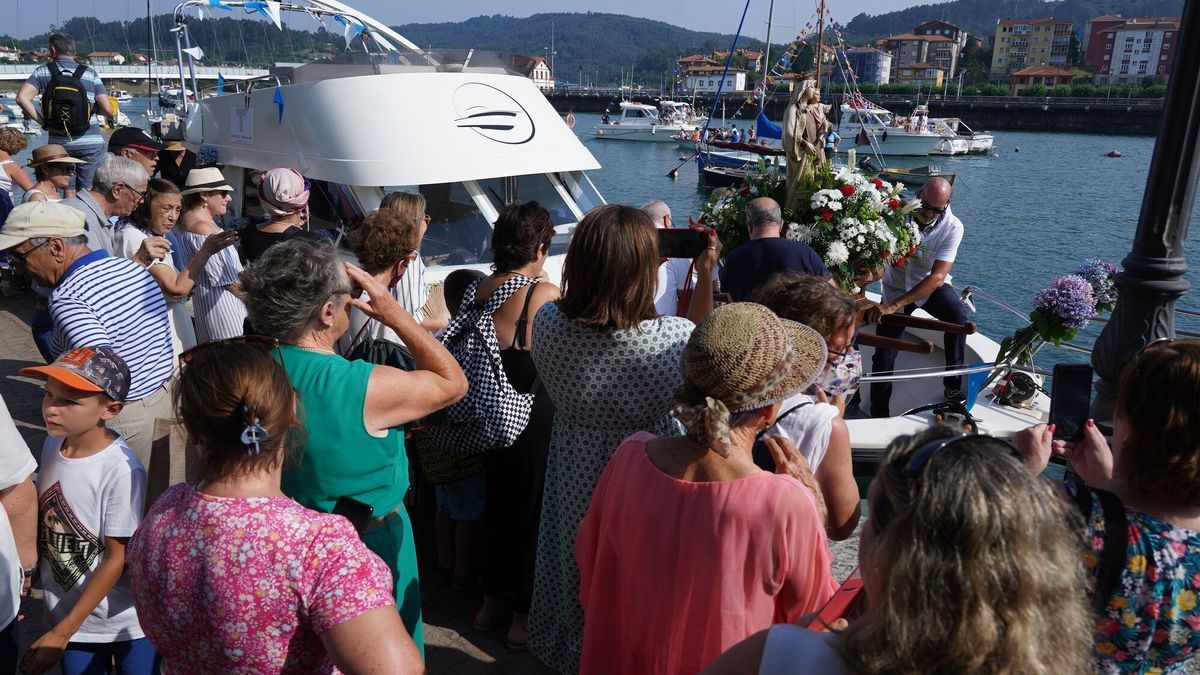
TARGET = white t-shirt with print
x,y
16,464
82,501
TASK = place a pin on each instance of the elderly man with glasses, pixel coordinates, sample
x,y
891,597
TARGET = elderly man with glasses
x,y
923,281
117,189
98,300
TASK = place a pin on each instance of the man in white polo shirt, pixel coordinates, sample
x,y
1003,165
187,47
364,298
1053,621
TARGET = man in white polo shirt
x,y
923,281
98,300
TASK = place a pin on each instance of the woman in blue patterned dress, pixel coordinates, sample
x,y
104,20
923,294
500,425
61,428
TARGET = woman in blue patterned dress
x,y
611,365
218,310
1150,622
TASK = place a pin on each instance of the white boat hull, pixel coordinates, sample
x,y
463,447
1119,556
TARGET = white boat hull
x,y
869,437
897,142
659,133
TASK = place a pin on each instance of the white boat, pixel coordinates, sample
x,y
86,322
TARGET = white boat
x,y
169,95
641,122
678,112
978,143
480,139
888,136
120,96
15,119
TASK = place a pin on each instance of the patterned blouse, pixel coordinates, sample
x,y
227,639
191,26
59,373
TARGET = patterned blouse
x,y
248,585
1151,623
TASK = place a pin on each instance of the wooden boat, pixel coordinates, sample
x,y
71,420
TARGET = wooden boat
x,y
916,177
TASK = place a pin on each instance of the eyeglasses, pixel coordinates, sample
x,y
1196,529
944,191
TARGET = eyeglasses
x,y
140,194
258,340
925,208
22,257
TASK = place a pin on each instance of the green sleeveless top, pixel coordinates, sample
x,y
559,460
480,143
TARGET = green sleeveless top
x,y
337,457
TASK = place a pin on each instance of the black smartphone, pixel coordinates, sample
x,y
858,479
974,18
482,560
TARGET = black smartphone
x,y
358,513
680,243
1070,400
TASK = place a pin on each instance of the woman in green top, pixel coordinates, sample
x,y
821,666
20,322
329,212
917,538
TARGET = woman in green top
x,y
299,292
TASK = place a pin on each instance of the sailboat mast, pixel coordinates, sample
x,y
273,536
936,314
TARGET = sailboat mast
x,y
820,38
762,98
150,61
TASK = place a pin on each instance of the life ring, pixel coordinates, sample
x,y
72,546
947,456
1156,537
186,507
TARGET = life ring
x,y
570,120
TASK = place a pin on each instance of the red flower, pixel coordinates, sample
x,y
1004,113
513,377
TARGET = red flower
x,y
826,214
1108,627
899,262
1192,620
1152,609
847,190
877,183
887,254
894,204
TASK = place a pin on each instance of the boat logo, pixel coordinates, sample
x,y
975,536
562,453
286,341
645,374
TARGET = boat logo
x,y
493,114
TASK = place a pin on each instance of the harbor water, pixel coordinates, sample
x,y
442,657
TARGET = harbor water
x,y
1029,216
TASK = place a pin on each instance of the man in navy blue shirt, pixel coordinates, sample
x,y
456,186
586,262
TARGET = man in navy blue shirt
x,y
767,253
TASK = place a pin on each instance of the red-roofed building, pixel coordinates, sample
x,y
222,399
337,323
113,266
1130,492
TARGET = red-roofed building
x,y
1120,50
1049,76
105,58
1020,43
535,68
9,53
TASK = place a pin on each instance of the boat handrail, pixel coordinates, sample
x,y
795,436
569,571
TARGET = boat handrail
x,y
271,78
926,373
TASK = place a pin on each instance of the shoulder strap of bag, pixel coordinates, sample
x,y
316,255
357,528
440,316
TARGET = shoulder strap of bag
x,y
779,418
78,74
523,322
506,291
685,294
1116,539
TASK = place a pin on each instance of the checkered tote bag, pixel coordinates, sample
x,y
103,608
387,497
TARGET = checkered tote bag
x,y
492,414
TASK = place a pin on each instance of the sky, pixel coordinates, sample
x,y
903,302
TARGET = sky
x,y
35,16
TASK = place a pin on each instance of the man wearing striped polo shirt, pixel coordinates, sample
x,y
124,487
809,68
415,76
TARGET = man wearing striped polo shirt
x,y
98,300
89,145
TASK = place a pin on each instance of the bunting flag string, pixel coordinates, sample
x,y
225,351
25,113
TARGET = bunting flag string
x,y
351,28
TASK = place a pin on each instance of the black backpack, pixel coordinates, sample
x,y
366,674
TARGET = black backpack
x,y
65,106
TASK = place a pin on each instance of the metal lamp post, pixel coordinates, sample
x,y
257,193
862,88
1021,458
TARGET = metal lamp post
x,y
1152,280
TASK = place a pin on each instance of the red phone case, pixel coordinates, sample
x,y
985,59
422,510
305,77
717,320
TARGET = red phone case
x,y
844,599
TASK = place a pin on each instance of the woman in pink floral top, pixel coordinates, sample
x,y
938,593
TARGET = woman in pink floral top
x,y
234,577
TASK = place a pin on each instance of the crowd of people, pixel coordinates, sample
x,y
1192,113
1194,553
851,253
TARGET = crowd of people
x,y
634,477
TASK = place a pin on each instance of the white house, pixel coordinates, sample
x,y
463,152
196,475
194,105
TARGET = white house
x,y
708,79
9,54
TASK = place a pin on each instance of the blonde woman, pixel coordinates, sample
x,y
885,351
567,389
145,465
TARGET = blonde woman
x,y
410,291
970,565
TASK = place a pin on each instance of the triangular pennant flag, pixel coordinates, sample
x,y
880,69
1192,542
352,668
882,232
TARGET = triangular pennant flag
x,y
219,5
271,11
194,52
220,83
279,102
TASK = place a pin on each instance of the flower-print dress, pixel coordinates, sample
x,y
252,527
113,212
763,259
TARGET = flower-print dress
x,y
1151,623
248,585
605,385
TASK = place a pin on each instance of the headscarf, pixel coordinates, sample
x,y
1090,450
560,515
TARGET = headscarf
x,y
282,192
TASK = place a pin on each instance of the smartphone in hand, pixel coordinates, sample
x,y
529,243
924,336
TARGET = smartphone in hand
x,y
681,243
846,603
1070,400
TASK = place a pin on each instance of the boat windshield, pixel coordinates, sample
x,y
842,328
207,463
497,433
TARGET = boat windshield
x,y
460,233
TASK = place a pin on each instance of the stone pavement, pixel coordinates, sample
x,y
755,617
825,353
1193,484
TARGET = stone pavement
x,y
453,646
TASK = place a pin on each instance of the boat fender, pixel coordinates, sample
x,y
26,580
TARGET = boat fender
x,y
1114,153
885,135
1017,149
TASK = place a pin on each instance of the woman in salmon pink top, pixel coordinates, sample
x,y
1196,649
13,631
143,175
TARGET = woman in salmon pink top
x,y
688,547
234,577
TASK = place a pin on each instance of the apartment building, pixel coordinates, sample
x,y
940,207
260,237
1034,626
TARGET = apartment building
x,y
1021,43
1119,50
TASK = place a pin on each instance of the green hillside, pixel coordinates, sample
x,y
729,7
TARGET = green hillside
x,y
603,45
979,16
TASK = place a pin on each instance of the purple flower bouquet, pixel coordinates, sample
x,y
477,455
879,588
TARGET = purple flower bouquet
x,y
1062,309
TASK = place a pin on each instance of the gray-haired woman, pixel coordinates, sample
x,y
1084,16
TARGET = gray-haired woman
x,y
299,292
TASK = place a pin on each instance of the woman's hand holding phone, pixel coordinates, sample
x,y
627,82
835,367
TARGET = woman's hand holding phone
x,y
1090,456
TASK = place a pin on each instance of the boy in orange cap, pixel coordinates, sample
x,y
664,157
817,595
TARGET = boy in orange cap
x,y
91,487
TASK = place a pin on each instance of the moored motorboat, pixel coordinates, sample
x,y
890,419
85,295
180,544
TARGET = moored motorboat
x,y
641,122
916,176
